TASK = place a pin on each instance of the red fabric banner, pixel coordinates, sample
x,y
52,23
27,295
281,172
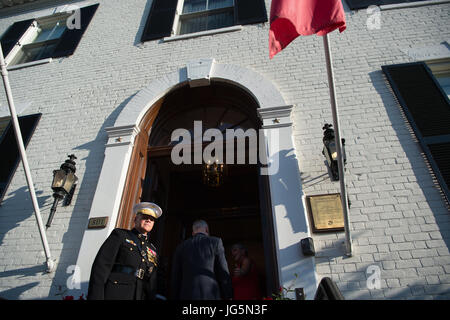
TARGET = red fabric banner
x,y
291,18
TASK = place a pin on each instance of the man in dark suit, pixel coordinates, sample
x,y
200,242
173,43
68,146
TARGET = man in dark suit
x,y
125,266
199,269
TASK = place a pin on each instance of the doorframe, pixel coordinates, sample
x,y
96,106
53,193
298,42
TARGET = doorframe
x,y
288,212
265,216
272,279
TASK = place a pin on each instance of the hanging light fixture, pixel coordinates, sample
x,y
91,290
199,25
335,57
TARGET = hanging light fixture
x,y
330,150
213,173
63,185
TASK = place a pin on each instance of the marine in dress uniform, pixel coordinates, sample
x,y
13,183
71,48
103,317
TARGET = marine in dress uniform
x,y
126,264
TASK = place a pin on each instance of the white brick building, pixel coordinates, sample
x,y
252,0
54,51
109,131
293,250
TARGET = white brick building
x,y
96,101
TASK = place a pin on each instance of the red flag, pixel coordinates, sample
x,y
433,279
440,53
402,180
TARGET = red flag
x,y
291,18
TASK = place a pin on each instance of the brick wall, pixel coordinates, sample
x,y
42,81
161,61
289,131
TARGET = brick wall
x,y
398,219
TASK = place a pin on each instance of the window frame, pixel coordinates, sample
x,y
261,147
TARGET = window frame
x,y
24,32
440,68
180,16
32,35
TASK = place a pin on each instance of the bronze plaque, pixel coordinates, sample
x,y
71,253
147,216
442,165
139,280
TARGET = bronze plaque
x,y
97,223
326,212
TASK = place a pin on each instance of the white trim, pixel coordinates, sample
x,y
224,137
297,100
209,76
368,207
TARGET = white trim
x,y
431,52
199,72
121,136
20,109
276,117
178,16
275,112
25,38
30,64
203,33
176,22
412,4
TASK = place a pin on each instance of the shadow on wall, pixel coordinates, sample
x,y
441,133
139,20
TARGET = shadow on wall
x,y
287,194
17,208
360,285
146,12
16,292
71,241
20,275
288,176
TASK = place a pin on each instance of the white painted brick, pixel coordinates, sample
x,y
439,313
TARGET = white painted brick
x,y
432,279
417,236
436,270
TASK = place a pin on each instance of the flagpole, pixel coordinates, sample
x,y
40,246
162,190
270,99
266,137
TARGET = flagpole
x,y
337,134
18,134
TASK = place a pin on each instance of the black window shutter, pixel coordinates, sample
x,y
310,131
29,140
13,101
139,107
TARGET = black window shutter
x,y
160,20
423,98
13,34
250,11
441,154
428,110
8,148
71,37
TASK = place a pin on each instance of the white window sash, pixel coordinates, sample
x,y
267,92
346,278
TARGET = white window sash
x,y
179,16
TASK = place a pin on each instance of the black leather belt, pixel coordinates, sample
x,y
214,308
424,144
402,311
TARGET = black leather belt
x,y
138,273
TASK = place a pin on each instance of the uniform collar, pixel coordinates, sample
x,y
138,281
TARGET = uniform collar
x,y
139,235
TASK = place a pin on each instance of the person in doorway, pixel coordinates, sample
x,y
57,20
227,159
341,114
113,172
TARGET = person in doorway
x,y
125,266
245,275
199,269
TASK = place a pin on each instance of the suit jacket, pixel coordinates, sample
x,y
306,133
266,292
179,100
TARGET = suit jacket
x,y
123,249
200,270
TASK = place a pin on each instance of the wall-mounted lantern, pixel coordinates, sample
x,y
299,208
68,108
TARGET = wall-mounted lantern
x,y
330,150
63,185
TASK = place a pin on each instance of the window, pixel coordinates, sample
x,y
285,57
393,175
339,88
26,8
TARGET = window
x,y
8,146
362,4
43,36
201,15
46,37
441,71
176,17
427,109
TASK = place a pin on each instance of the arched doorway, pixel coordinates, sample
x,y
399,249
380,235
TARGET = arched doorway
x,y
124,168
237,210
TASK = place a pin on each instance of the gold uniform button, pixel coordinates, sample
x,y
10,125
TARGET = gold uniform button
x,y
131,249
143,260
